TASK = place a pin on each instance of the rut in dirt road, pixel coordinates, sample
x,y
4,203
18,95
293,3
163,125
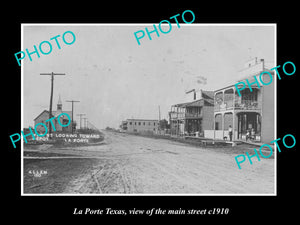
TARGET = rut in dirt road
x,y
139,165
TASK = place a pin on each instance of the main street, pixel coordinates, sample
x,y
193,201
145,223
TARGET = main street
x,y
129,164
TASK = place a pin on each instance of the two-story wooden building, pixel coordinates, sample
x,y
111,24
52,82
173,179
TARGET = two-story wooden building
x,y
193,117
253,111
142,126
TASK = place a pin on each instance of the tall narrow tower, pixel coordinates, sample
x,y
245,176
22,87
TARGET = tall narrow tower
x,y
59,104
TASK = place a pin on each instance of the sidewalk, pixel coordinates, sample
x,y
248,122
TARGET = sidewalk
x,y
256,143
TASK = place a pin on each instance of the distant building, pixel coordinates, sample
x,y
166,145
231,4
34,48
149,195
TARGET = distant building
x,y
44,115
142,126
253,110
193,117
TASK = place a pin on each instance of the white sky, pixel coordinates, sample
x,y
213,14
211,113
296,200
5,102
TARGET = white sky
x,y
114,78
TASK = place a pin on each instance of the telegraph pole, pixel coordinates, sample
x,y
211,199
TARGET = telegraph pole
x,y
80,115
51,95
72,113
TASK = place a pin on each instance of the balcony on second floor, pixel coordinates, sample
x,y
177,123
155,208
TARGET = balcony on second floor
x,y
229,99
188,110
193,115
174,115
241,105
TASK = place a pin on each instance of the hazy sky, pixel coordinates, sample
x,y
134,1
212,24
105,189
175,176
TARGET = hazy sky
x,y
114,78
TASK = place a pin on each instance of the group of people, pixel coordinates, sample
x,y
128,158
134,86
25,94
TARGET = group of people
x,y
250,133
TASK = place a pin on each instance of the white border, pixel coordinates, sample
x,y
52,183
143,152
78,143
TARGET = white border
x,y
143,24
22,90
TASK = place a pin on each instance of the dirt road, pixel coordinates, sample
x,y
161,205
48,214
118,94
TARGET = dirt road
x,y
140,165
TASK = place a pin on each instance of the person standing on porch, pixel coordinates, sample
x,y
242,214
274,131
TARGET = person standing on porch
x,y
247,134
252,134
230,132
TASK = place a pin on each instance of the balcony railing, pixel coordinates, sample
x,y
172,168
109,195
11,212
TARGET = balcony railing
x,y
193,115
247,105
241,104
176,115
184,115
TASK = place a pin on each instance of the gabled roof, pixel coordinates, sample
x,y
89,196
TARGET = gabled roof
x,y
195,103
45,111
54,113
199,102
208,94
182,105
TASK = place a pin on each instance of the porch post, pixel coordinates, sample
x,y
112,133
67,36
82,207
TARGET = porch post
x,y
214,126
223,122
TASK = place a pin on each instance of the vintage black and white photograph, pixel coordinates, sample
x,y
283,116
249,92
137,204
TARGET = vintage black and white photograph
x,y
148,109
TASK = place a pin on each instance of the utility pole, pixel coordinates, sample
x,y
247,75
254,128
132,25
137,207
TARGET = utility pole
x,y
80,115
51,96
72,113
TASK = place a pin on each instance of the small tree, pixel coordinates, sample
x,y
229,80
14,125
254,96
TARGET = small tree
x,y
163,124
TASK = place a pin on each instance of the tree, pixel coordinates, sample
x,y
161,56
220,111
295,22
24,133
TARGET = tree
x,y
163,124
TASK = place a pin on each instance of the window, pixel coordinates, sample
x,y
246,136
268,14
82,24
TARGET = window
x,y
248,95
144,123
139,123
154,123
130,123
134,123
